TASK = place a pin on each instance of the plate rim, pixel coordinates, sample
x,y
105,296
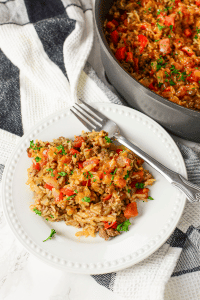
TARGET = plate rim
x,y
83,268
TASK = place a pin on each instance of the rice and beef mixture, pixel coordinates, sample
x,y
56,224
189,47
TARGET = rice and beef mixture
x,y
158,43
89,183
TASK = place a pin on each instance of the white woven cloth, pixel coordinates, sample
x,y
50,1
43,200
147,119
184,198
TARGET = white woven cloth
x,y
52,75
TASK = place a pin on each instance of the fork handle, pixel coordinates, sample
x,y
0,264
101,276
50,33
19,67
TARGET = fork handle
x,y
191,190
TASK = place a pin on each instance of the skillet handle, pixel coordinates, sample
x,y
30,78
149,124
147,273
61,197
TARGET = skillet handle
x,y
191,190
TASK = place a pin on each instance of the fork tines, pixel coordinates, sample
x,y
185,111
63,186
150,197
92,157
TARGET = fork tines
x,y
92,118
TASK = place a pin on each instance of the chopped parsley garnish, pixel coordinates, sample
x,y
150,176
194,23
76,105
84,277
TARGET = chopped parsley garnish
x,y
171,27
61,148
139,185
129,191
138,2
47,219
123,226
65,164
127,175
166,74
149,8
51,235
33,146
179,12
169,36
76,191
91,174
160,84
160,27
52,216
68,198
112,178
115,171
150,198
37,159
38,212
183,76
68,141
171,82
108,140
86,199
62,174
195,37
159,11
104,172
155,41
72,172
174,70
74,155
50,170
94,180
198,30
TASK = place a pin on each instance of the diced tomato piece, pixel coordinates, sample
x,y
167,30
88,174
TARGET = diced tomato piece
x,y
144,191
165,46
106,198
114,36
143,26
129,57
73,151
36,166
118,151
87,162
197,2
110,225
110,25
45,153
48,186
121,53
143,42
78,141
136,62
55,173
152,87
169,20
188,51
80,164
188,32
86,182
67,191
59,198
177,2
131,210
115,22
101,175
133,183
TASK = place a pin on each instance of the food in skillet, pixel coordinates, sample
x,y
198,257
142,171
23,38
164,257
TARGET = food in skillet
x,y
90,183
158,43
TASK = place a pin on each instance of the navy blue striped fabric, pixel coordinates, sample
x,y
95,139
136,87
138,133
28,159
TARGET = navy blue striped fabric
x,y
10,106
43,9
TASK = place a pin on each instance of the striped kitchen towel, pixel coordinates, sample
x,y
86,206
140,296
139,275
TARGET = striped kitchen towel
x,y
44,47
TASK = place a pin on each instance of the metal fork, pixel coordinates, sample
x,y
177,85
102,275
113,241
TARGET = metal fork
x,y
93,119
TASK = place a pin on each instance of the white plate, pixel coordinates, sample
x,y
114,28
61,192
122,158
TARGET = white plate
x,y
156,220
